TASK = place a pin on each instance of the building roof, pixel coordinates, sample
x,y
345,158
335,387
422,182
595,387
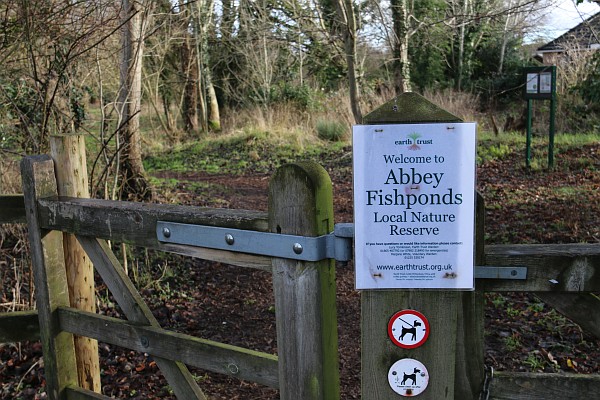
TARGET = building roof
x,y
585,35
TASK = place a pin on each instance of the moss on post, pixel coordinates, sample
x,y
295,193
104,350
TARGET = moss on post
x,y
301,203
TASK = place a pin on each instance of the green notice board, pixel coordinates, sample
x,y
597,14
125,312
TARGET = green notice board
x,y
540,82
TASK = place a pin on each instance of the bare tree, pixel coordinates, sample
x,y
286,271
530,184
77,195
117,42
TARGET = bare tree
x,y
348,26
44,44
189,72
135,14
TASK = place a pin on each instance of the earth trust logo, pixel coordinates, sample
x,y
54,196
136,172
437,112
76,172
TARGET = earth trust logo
x,y
414,141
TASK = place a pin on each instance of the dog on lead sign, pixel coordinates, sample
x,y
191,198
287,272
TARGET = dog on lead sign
x,y
408,329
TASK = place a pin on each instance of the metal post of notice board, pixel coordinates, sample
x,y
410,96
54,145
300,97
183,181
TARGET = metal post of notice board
x,y
540,84
416,342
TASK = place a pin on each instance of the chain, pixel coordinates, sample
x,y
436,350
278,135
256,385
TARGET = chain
x,y
489,375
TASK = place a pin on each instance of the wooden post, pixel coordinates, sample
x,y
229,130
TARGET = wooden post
x,y
47,256
301,203
470,347
453,353
68,152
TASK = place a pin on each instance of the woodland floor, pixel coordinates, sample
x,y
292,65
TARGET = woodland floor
x,y
235,305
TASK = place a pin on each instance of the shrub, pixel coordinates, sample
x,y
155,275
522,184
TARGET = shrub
x,y
332,131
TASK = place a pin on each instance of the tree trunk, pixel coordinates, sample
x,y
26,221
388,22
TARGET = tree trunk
x,y
190,98
345,9
400,51
214,115
202,20
170,123
134,182
461,45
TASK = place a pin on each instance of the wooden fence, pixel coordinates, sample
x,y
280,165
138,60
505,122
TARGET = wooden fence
x,y
300,203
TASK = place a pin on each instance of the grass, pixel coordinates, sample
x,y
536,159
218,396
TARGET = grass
x,y
254,151
332,131
534,362
493,147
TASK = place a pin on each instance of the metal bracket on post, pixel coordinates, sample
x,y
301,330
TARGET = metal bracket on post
x,y
492,272
336,245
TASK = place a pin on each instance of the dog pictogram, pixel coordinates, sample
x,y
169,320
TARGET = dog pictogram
x,y
412,377
412,330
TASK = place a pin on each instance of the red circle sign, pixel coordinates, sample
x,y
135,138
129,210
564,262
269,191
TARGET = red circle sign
x,y
408,329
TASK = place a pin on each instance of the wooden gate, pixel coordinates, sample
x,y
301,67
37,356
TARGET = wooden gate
x,y
300,204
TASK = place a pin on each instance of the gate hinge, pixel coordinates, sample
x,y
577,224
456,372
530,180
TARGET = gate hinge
x,y
336,245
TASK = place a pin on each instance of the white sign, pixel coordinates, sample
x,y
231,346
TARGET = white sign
x,y
546,82
408,377
408,329
532,83
414,203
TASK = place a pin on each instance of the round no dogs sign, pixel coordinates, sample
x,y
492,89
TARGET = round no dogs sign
x,y
408,329
408,377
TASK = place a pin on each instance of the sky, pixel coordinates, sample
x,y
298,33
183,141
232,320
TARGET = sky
x,y
565,16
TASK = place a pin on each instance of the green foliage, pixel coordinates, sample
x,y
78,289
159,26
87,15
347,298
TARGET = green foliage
x,y
333,131
301,95
575,113
536,307
325,66
589,89
20,114
512,342
512,312
499,87
497,300
492,152
429,47
534,362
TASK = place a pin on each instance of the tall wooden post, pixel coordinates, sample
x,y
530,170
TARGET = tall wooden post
x,y
47,257
68,152
528,134
453,353
301,203
552,128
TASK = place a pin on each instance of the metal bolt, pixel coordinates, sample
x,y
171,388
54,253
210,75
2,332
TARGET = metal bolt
x,y
298,248
233,369
513,272
144,342
229,239
166,232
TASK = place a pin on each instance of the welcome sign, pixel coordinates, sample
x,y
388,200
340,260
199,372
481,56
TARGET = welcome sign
x,y
414,202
